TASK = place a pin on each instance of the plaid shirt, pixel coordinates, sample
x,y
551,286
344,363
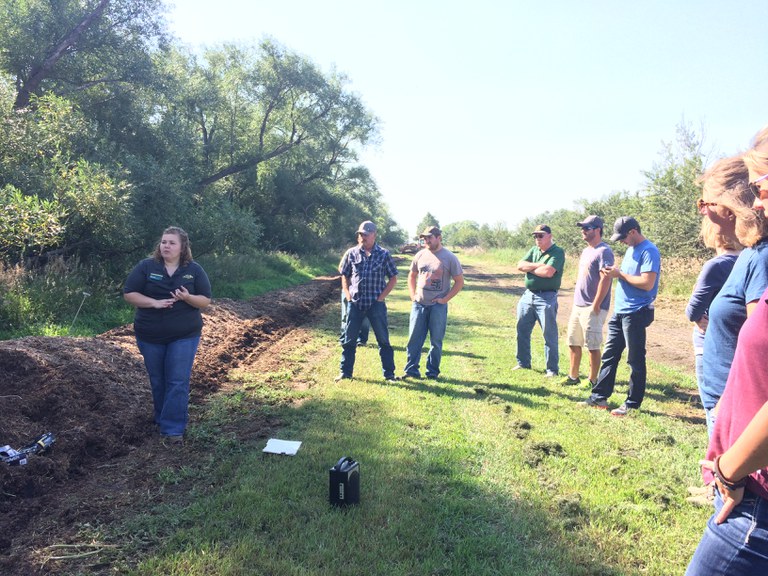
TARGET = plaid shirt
x,y
367,275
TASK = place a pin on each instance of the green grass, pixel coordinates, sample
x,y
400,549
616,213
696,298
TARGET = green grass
x,y
488,471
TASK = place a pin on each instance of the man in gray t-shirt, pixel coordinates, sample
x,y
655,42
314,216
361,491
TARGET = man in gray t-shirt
x,y
429,282
591,301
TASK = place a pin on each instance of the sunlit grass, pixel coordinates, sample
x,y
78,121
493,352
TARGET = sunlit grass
x,y
486,471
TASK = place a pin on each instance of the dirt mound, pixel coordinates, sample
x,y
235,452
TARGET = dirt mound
x,y
93,394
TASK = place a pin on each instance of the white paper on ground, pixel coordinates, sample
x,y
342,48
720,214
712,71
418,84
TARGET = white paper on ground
x,y
286,447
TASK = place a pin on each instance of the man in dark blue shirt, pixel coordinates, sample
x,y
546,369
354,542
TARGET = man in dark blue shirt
x,y
367,277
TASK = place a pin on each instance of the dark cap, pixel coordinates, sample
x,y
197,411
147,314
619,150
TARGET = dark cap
x,y
591,222
367,227
431,231
542,228
622,226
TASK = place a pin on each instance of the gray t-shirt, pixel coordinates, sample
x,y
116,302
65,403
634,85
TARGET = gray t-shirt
x,y
434,272
591,262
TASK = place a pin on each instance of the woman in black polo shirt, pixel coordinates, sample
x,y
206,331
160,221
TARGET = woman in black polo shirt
x,y
168,290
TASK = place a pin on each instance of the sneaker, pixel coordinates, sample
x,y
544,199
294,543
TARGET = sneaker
x,y
520,367
432,377
571,381
341,377
173,441
392,379
592,403
550,374
407,376
622,410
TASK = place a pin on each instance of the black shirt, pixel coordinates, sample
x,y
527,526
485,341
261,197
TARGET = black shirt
x,y
164,325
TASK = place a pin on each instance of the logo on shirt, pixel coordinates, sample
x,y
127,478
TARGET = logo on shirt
x,y
155,277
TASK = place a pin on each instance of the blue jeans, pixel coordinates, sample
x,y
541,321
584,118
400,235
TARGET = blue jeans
x,y
169,367
364,329
737,546
624,331
541,308
434,319
377,315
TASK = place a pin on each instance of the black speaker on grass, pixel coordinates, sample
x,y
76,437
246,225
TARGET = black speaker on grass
x,y
344,482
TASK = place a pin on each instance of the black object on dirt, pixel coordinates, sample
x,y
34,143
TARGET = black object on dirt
x,y
14,457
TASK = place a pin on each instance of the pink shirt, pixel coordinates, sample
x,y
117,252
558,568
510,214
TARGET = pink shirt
x,y
745,393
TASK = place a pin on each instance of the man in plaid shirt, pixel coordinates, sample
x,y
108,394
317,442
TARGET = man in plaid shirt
x,y
367,277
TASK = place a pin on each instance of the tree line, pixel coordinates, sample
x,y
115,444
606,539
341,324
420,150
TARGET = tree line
x,y
665,209
114,130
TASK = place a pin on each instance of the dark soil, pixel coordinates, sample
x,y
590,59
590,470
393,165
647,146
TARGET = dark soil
x,y
93,394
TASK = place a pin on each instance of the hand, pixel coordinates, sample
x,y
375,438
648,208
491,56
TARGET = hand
x,y
611,272
180,293
731,498
166,303
702,324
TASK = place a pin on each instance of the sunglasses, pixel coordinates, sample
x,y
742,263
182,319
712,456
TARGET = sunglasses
x,y
754,187
700,204
539,235
589,227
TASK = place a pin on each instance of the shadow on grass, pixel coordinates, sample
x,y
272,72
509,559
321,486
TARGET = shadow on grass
x,y
425,507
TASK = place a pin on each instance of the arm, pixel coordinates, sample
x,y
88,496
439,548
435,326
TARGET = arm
x,y
345,288
644,281
387,288
751,307
138,300
748,454
603,287
526,266
458,284
412,275
545,271
194,300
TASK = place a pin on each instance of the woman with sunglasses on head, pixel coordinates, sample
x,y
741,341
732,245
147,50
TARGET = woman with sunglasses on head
x,y
741,290
724,185
735,541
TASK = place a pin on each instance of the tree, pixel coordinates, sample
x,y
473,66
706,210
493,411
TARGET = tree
x,y
426,222
72,46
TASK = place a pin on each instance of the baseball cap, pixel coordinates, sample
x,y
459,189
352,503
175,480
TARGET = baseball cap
x,y
591,221
367,227
622,226
431,231
542,228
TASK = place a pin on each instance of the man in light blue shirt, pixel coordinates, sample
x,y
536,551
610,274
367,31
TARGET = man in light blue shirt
x,y
636,290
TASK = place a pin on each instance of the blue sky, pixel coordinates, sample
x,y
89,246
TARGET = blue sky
x,y
495,111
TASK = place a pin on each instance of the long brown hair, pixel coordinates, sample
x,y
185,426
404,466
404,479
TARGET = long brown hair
x,y
186,248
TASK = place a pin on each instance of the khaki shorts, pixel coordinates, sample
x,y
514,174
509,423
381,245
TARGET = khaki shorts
x,y
585,328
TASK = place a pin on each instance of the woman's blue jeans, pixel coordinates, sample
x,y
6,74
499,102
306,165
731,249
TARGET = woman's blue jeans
x,y
538,307
432,319
738,546
169,367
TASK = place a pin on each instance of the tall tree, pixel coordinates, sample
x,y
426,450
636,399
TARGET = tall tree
x,y
69,46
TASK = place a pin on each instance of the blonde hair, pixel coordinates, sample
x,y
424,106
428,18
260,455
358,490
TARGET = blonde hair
x,y
727,183
757,156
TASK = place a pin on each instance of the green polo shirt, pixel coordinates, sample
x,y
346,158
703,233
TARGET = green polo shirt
x,y
555,257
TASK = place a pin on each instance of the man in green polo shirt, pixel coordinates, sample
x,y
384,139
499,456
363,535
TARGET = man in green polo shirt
x,y
543,268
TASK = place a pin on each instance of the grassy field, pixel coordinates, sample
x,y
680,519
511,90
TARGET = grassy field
x,y
485,472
